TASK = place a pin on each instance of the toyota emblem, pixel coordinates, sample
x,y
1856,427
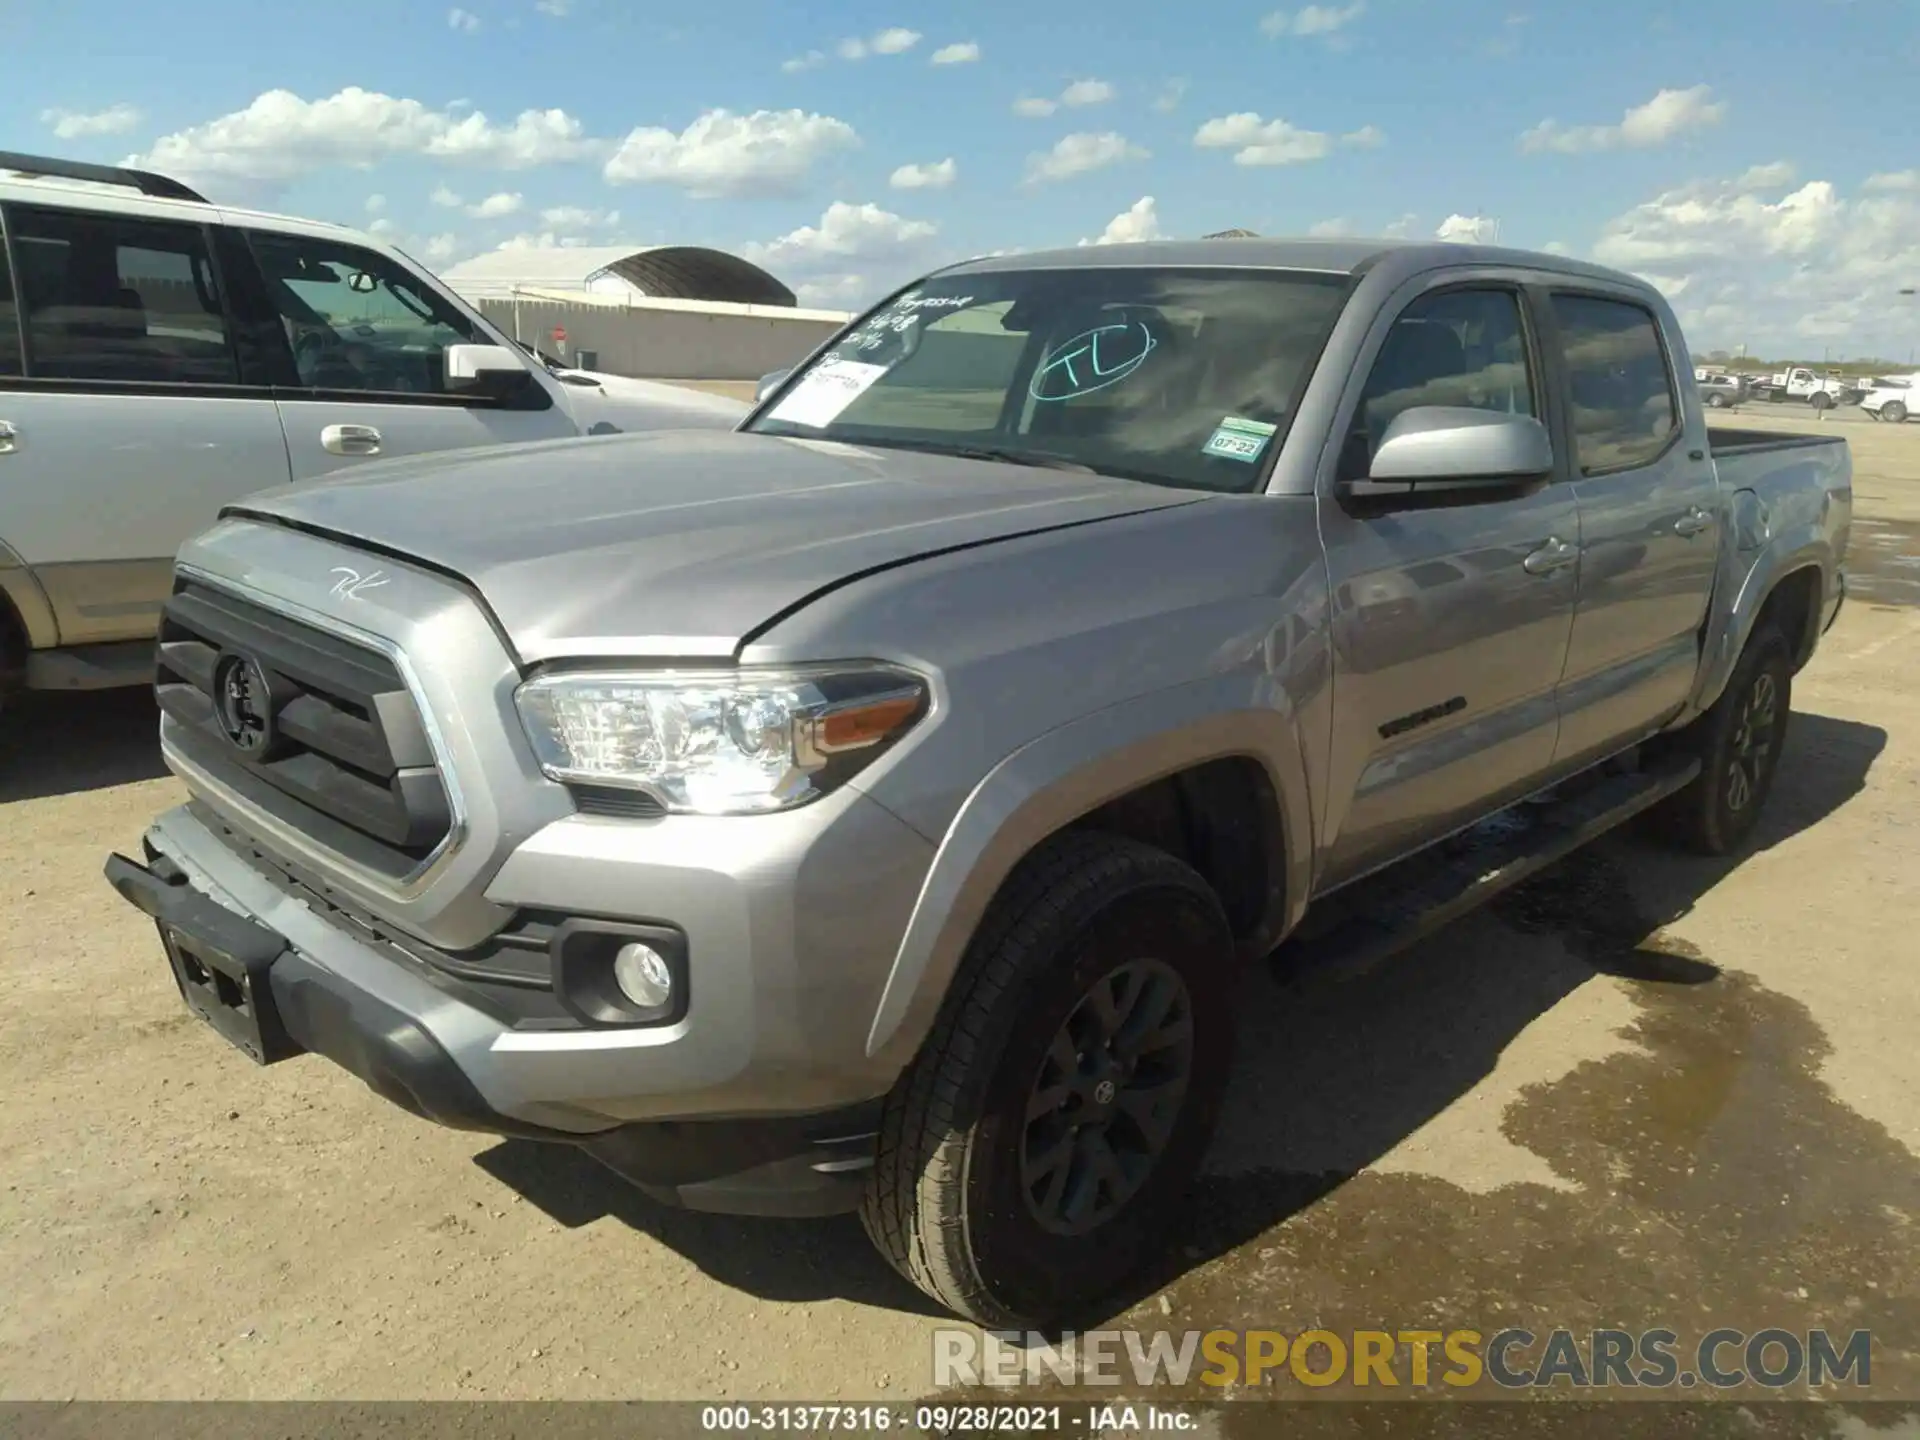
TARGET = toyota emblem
x,y
243,704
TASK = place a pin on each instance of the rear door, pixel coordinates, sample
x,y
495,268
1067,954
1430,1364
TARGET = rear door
x,y
1649,524
362,344
1449,624
129,418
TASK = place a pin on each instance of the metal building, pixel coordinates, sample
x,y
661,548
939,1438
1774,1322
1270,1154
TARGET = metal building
x,y
661,272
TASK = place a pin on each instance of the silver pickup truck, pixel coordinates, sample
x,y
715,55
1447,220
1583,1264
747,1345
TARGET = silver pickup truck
x,y
869,808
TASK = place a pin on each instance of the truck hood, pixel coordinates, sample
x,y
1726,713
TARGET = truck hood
x,y
683,543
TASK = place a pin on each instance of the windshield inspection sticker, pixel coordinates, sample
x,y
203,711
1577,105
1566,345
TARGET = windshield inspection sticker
x,y
1238,439
825,391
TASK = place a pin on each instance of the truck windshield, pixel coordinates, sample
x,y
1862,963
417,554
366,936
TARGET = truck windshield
x,y
1174,376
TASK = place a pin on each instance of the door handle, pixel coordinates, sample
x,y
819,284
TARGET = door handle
x,y
350,440
1556,554
1693,522
9,437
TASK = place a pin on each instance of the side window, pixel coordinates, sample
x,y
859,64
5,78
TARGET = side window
x,y
9,314
355,320
1620,389
114,298
1456,347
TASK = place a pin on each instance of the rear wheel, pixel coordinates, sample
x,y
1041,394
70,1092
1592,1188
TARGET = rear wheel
x,y
1820,400
1738,742
1894,411
1717,402
1036,1151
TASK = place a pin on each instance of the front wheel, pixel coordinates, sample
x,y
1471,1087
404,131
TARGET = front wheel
x,y
1717,402
1820,400
1738,741
1035,1152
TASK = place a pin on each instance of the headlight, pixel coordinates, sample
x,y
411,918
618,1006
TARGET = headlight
x,y
736,742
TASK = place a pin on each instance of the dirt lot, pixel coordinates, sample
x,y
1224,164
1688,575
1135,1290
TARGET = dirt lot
x,y
1645,1090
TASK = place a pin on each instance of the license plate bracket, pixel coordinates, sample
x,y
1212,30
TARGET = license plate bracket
x,y
233,994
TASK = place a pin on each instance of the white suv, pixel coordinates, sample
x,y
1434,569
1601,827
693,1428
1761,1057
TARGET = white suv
x,y
161,356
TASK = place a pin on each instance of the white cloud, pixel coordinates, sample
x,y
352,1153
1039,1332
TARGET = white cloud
x,y
1668,115
851,49
577,217
1557,247
1468,230
936,176
281,137
556,8
79,124
1312,20
442,195
1778,272
896,41
439,249
496,206
1399,229
1078,153
1262,142
1170,96
1139,221
812,60
1082,93
376,203
769,152
1367,137
963,52
465,21
1078,95
834,262
1330,229
1771,177
1895,182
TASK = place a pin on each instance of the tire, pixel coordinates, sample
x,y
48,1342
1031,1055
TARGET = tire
x,y
962,1200
1820,400
1894,412
1717,402
1738,741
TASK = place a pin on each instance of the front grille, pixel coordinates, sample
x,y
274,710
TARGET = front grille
x,y
339,752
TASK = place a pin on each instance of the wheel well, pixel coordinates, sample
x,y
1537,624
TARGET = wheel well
x,y
1794,605
1222,818
13,647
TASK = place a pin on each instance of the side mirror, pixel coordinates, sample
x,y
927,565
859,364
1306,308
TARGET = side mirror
x,y
361,282
769,382
1435,450
485,369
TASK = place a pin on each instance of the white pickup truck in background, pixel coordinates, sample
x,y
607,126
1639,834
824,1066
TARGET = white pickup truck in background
x,y
1822,392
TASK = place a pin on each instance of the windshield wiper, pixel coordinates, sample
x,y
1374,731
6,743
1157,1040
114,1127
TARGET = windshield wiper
x,y
1039,459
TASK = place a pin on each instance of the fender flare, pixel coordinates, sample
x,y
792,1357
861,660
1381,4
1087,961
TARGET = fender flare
x,y
1054,780
20,593
1783,555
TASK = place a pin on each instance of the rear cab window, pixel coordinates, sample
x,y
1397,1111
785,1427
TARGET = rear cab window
x,y
11,359
118,299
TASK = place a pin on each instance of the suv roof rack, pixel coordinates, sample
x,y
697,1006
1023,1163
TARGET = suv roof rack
x,y
145,181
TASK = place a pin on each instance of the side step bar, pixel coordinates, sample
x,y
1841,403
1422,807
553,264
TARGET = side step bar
x,y
1366,922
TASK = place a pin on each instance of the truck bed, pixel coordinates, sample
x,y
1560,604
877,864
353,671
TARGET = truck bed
x,y
1727,440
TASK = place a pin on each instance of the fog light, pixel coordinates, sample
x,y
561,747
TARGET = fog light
x,y
643,975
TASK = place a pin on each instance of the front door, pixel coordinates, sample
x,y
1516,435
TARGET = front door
x,y
1449,625
127,425
365,345
1649,528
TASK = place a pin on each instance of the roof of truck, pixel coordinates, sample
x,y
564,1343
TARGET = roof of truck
x,y
1338,257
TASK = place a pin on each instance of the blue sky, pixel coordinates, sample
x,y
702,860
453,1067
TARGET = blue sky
x,y
1760,160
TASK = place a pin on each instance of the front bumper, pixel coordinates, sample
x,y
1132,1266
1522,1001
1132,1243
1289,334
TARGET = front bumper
x,y
475,1056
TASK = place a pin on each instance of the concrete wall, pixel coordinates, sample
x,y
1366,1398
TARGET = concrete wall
x,y
661,343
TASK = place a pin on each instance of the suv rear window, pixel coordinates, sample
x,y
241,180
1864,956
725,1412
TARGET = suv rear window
x,y
9,315
113,298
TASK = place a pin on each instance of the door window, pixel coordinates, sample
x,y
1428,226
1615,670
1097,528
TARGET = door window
x,y
1455,347
112,298
1621,389
9,316
355,320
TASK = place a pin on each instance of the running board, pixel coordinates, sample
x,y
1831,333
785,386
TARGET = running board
x,y
1366,922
